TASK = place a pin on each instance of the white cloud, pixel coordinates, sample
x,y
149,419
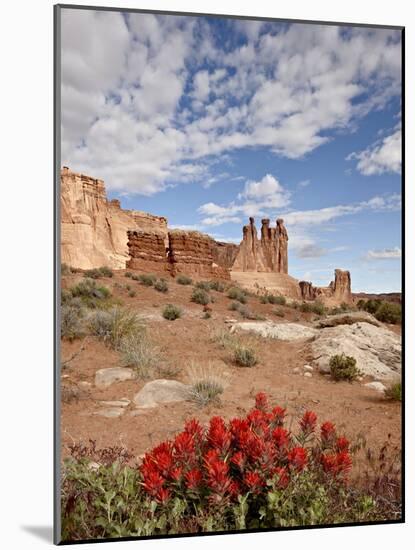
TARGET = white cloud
x,y
141,109
381,157
385,254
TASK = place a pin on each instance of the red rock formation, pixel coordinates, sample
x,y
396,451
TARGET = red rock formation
x,y
192,252
308,292
341,286
269,254
147,251
93,229
224,254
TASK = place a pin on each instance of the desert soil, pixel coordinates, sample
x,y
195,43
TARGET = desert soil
x,y
354,408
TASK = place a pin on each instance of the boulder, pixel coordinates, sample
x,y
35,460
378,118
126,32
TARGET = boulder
x,y
378,386
279,331
160,391
106,377
377,350
347,319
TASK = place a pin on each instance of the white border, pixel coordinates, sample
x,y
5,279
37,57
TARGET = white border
x,y
27,275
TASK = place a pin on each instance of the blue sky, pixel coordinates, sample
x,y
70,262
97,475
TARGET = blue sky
x,y
208,121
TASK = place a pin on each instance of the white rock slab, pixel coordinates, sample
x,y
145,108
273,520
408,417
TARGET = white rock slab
x,y
160,391
106,377
279,331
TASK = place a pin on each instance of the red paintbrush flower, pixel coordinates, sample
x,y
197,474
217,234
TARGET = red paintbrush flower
x,y
281,437
184,446
194,478
162,495
218,435
261,402
308,423
278,416
336,463
239,460
195,429
176,474
253,481
328,432
297,458
342,444
283,477
153,481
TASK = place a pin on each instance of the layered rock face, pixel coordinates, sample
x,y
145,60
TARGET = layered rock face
x,y
147,251
268,254
187,252
308,292
224,254
93,229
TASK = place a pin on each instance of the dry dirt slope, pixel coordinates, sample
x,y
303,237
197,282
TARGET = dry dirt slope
x,y
352,406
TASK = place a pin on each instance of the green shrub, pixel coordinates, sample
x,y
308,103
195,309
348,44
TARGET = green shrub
x,y
92,273
372,305
147,279
171,312
246,313
72,322
389,312
161,285
132,293
207,315
138,352
183,280
207,383
394,392
235,293
343,367
92,295
128,274
272,299
200,296
244,356
318,308
234,306
263,299
135,277
66,269
203,285
294,304
216,285
114,325
106,271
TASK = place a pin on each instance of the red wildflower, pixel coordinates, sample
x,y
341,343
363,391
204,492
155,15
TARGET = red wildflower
x,y
194,428
162,458
162,495
281,437
278,416
239,460
257,418
176,474
234,488
218,436
251,445
184,446
342,444
283,477
217,473
336,463
328,432
297,458
193,478
261,402
253,481
153,482
308,422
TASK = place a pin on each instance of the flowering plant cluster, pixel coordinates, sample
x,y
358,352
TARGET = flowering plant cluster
x,y
245,456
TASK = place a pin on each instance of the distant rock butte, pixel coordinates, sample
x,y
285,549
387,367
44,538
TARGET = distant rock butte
x,y
96,231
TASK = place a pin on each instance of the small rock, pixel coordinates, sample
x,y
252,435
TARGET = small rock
x,y
308,375
378,386
113,412
106,377
308,368
296,370
160,391
360,378
85,384
230,321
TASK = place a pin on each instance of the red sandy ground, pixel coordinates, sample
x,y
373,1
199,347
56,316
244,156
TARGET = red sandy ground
x,y
354,408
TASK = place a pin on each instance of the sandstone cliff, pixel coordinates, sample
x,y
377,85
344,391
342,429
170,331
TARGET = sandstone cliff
x,y
268,254
337,292
93,229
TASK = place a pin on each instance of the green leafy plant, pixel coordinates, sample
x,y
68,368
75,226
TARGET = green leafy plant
x,y
200,296
161,285
389,312
91,295
171,312
115,325
394,392
207,382
244,355
72,322
235,293
343,367
128,274
147,279
183,280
